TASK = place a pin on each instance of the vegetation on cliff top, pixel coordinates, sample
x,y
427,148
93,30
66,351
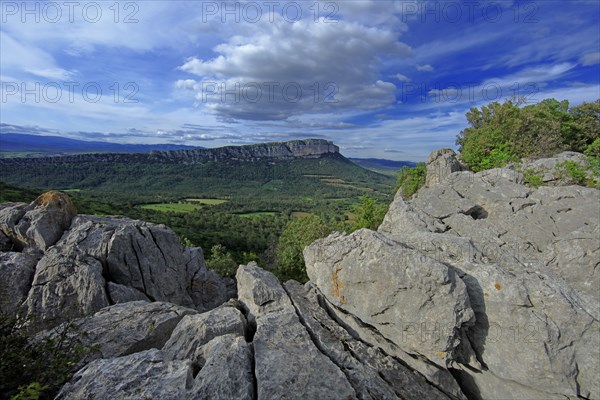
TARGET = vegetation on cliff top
x,y
503,133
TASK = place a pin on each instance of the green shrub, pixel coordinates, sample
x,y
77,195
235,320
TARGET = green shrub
x,y
593,158
221,261
36,369
33,391
532,178
411,179
573,172
501,133
298,233
369,214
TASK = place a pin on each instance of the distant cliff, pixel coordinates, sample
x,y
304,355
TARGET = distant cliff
x,y
309,148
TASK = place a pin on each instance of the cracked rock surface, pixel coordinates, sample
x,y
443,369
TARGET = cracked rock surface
x,y
492,280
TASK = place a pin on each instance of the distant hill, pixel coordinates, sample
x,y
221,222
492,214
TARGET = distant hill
x,y
382,165
22,145
312,169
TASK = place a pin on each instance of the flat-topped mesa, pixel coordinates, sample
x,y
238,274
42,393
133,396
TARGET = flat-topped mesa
x,y
309,148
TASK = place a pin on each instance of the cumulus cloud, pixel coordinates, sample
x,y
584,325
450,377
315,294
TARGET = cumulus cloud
x,y
287,69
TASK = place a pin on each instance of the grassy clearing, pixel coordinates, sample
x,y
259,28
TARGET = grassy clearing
x,y
172,207
300,214
257,214
208,202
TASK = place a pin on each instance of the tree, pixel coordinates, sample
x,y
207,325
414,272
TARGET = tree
x,y
585,126
298,233
221,261
501,133
369,213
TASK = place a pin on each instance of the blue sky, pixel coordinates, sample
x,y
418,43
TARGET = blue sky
x,y
387,79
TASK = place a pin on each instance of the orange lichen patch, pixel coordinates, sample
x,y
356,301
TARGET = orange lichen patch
x,y
441,354
57,200
486,294
497,286
337,285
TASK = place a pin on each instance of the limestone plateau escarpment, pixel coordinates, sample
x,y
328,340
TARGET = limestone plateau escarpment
x,y
308,148
476,288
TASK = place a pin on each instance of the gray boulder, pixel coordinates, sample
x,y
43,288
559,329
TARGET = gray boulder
x,y
440,164
16,270
40,224
64,287
107,260
227,372
194,331
126,328
421,305
373,373
143,375
524,261
287,363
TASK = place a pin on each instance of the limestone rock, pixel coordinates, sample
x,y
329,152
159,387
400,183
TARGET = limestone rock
x,y
440,164
127,328
64,287
528,261
227,372
550,168
40,224
146,257
123,294
287,363
16,272
372,373
144,375
421,305
438,376
195,331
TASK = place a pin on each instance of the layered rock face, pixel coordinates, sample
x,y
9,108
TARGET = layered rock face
x,y
309,148
476,288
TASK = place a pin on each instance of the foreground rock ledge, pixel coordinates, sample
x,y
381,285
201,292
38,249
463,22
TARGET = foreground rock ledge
x,y
494,281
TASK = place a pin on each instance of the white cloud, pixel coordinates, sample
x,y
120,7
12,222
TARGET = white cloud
x,y
286,69
19,57
402,78
425,68
590,58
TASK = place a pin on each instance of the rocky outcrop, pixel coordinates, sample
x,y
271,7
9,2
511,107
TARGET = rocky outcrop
x,y
309,148
38,225
476,288
125,328
71,266
287,363
143,375
16,270
440,164
550,169
512,272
